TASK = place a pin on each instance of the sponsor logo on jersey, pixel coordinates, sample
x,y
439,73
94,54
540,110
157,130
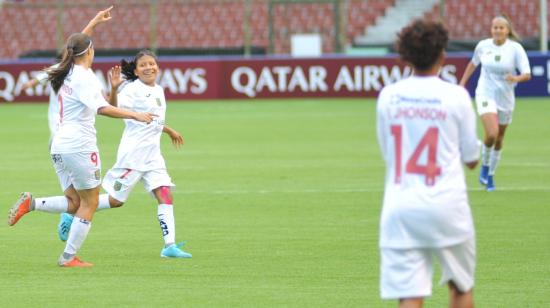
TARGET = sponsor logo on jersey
x,y
97,174
484,104
158,102
497,58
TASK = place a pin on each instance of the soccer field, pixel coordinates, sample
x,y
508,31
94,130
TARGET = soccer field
x,y
279,202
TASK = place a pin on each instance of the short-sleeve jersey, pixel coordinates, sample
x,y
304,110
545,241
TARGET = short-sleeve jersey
x,y
139,147
53,107
79,99
426,129
496,62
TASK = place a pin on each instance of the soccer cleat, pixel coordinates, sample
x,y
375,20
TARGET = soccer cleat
x,y
490,183
483,175
20,208
74,262
174,251
64,226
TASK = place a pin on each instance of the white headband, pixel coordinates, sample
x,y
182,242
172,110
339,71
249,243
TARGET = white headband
x,y
84,51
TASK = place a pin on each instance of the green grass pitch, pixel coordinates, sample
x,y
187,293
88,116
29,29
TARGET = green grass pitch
x,y
279,201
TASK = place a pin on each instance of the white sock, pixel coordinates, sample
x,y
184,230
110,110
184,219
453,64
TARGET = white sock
x,y
167,223
485,155
103,202
57,204
79,230
495,158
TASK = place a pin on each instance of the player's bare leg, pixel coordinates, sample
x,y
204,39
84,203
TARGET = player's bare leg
x,y
490,126
411,302
458,299
89,199
165,216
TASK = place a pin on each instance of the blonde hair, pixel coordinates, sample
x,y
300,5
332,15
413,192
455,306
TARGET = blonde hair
x,y
512,34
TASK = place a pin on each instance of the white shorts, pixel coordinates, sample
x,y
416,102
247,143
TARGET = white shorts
x,y
487,105
119,182
407,273
81,170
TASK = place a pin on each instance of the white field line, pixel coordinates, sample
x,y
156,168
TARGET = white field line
x,y
319,191
351,190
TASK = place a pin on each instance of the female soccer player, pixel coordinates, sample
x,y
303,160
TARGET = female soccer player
x,y
74,147
139,157
500,58
426,130
53,107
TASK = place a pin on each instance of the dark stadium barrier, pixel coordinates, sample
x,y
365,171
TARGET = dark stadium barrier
x,y
263,77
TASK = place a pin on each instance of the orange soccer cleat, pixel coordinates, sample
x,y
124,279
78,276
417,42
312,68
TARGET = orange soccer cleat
x,y
74,262
20,208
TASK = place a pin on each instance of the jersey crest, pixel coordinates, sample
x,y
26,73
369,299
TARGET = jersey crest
x,y
117,186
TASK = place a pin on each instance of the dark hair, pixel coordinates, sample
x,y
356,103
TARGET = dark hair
x,y
77,45
127,68
421,43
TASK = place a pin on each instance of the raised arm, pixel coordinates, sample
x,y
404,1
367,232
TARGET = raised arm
x,y
177,139
100,17
470,68
29,84
115,79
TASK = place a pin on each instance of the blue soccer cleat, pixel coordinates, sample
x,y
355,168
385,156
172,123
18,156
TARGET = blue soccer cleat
x,y
64,226
490,183
174,251
483,175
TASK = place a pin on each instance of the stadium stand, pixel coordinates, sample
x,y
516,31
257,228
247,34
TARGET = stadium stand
x,y
471,19
30,25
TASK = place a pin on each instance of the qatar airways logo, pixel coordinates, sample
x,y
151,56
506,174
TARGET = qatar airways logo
x,y
11,86
288,79
173,80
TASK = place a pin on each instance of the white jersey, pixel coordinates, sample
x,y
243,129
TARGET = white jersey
x,y
53,107
426,129
139,147
496,62
79,99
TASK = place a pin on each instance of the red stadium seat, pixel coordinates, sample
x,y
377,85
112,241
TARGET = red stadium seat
x,y
475,16
219,23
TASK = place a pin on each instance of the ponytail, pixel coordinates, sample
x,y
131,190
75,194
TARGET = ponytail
x,y
77,45
56,76
512,34
127,69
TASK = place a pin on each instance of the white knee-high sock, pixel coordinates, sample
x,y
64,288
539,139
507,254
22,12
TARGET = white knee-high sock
x,y
165,213
486,155
57,204
103,202
79,231
495,158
